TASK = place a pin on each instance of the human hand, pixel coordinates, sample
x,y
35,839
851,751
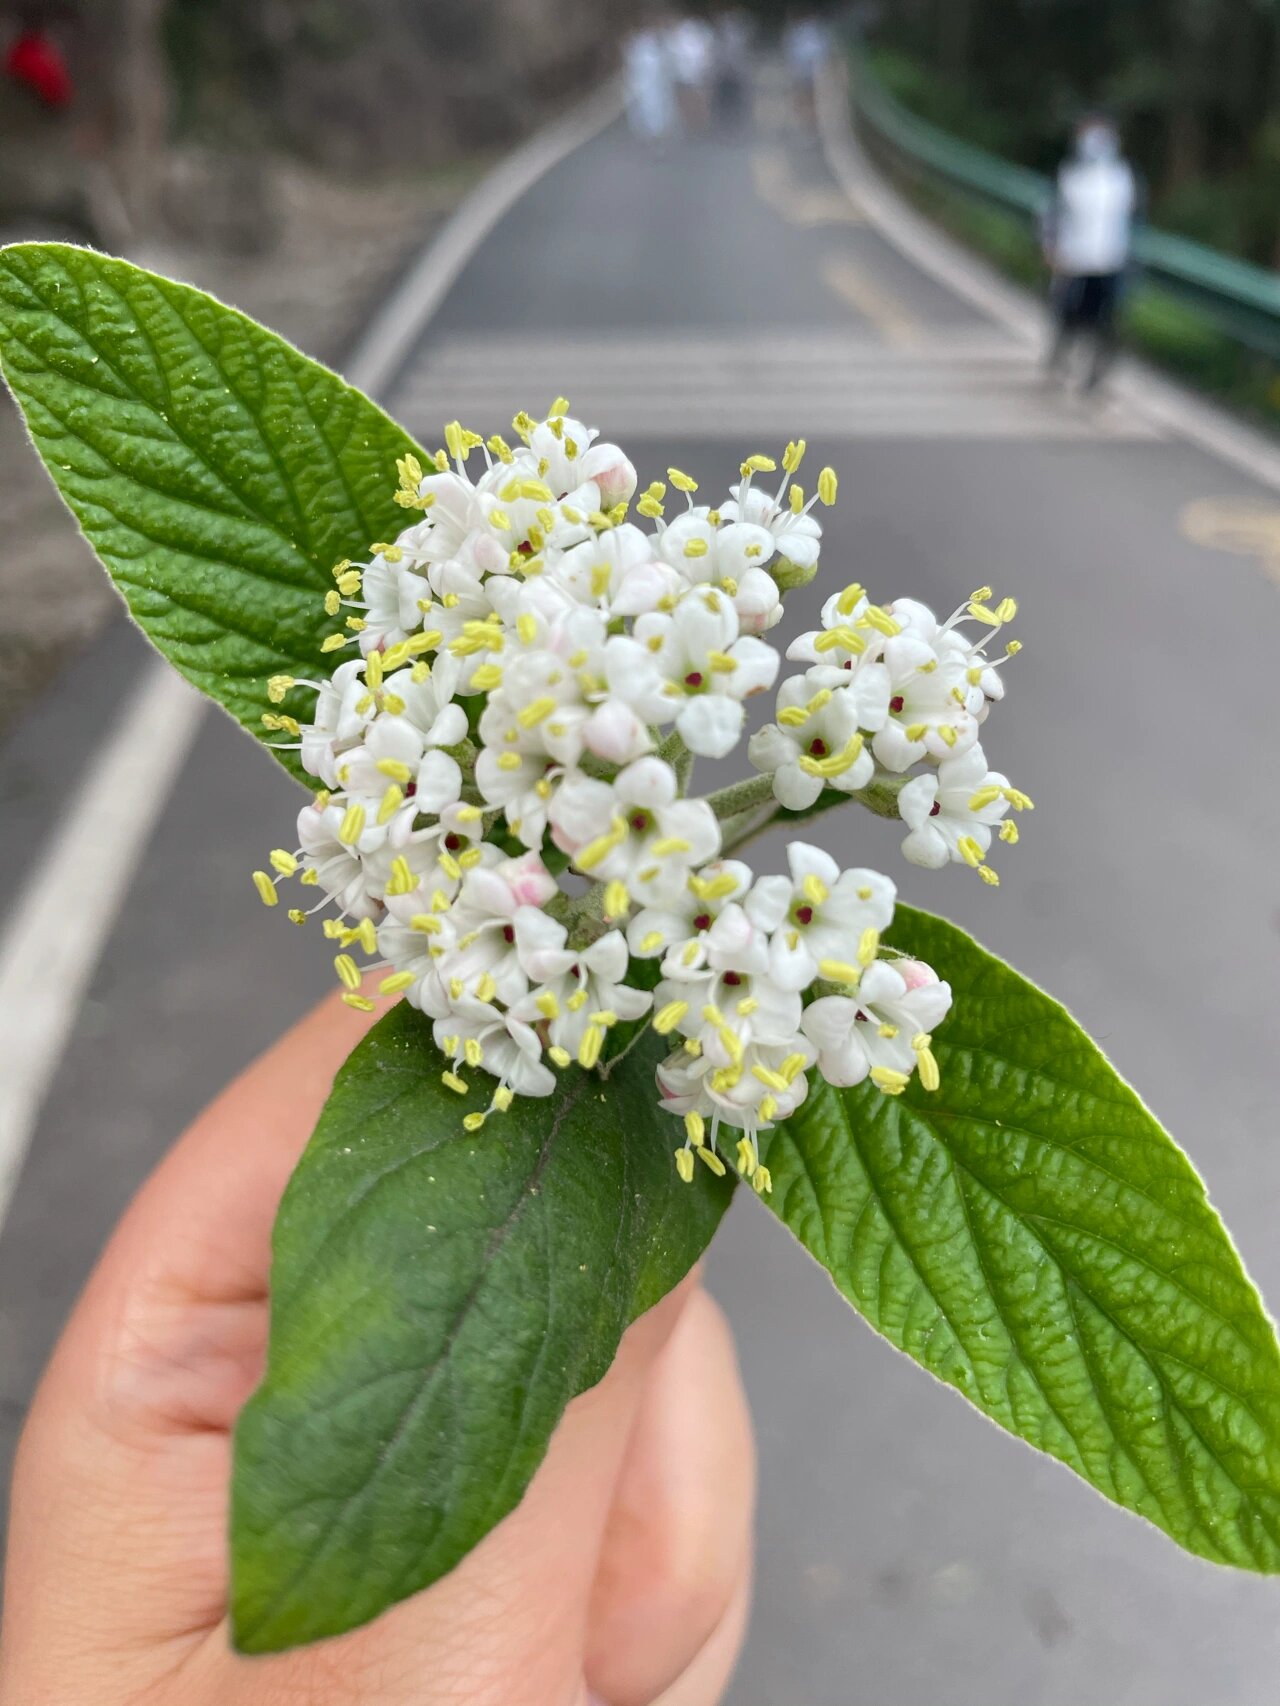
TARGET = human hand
x,y
622,1576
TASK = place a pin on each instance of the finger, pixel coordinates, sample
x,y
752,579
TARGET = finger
x,y
509,1623
120,1485
707,1677
678,1543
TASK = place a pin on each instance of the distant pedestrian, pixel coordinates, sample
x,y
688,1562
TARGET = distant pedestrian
x,y
733,65
648,81
693,45
36,62
1088,238
806,44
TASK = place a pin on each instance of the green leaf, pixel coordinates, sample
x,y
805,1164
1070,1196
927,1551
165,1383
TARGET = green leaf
x,y
438,1296
1031,1236
218,473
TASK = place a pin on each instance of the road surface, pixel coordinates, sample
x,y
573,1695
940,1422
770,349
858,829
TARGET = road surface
x,y
701,300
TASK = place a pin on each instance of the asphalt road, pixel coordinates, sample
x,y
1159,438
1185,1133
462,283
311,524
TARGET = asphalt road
x,y
719,292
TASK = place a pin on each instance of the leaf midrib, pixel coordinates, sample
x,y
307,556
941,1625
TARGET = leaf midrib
x,y
1069,1279
494,1244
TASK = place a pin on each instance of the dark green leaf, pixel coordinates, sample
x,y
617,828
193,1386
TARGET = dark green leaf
x,y
1032,1236
438,1296
218,473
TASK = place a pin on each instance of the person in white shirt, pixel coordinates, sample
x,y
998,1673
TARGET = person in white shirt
x,y
648,83
692,45
1088,237
806,43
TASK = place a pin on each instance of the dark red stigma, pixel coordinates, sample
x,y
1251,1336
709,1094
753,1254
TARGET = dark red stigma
x,y
525,550
452,842
702,921
897,702
935,808
508,934
804,915
640,823
693,679
818,747
732,978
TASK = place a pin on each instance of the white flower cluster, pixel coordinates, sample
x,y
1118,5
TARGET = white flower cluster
x,y
885,690
505,825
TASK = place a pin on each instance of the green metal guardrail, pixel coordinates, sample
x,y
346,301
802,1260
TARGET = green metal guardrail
x,y
1241,299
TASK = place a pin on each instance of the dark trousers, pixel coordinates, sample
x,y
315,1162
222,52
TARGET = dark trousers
x,y
1085,307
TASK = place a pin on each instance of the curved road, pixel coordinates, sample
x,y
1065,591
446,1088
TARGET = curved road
x,y
699,301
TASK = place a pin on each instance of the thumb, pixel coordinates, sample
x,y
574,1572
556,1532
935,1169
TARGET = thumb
x,y
510,1622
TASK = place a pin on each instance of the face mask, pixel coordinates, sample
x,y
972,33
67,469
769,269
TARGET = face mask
x,y
1097,143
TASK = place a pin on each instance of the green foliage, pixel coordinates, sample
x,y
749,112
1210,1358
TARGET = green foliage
x,y
217,472
1192,82
438,1296
1031,1236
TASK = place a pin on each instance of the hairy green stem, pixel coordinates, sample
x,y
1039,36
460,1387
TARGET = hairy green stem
x,y
880,796
674,751
740,797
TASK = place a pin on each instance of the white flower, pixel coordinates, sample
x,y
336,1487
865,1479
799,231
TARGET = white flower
x,y
343,708
822,922
567,454
398,764
335,842
707,670
487,921
679,929
419,867
634,832
393,596
733,558
693,1085
795,535
928,714
475,1033
615,570
815,744
884,1031
951,812
582,996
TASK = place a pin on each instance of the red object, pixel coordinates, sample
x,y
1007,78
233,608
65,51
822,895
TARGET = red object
x,y
36,61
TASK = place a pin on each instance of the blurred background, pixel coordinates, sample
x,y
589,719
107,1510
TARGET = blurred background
x,y
871,226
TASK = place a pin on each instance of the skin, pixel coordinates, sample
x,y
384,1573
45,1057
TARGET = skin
x,y
623,1576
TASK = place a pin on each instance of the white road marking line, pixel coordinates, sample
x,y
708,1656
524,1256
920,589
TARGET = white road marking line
x,y
48,955
1164,403
962,386
50,948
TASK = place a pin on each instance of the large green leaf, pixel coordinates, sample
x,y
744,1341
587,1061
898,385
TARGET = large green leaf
x,y
218,473
1033,1237
437,1298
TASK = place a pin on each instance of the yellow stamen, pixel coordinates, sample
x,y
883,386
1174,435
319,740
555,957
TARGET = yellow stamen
x,y
885,1078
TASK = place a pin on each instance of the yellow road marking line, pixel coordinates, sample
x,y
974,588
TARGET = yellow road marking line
x,y
1246,527
895,325
794,203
